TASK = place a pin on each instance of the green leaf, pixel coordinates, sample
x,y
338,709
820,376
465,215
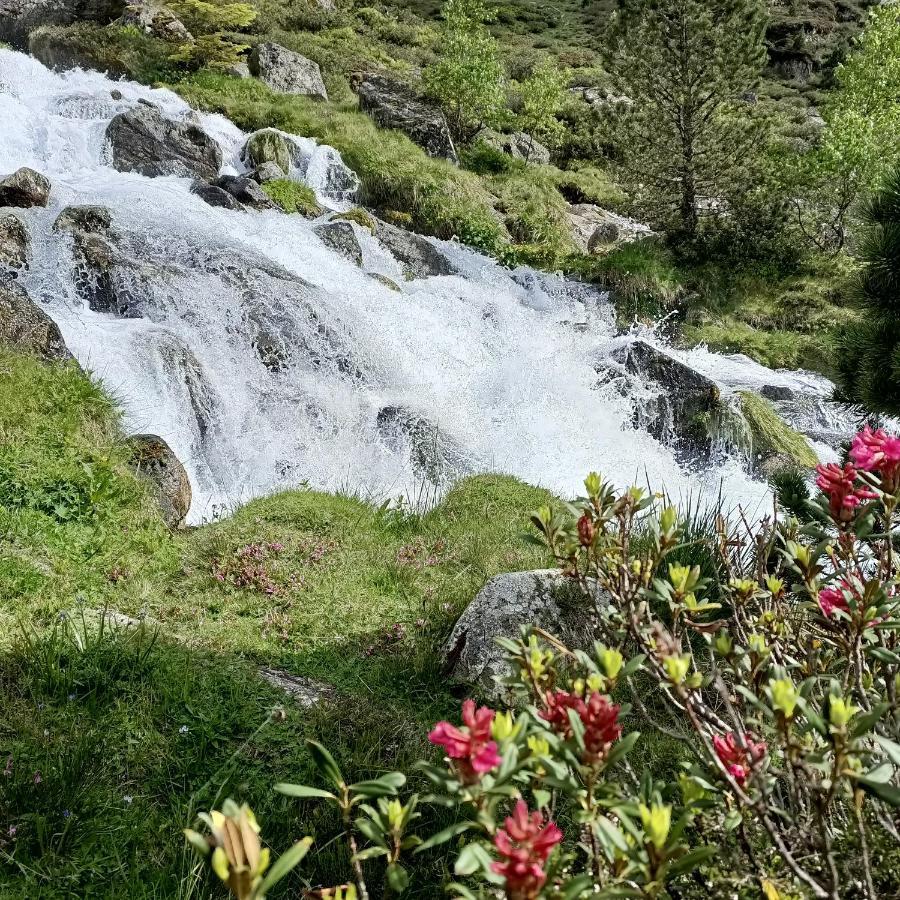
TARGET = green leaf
x,y
397,878
371,853
880,789
473,858
445,835
288,860
865,723
576,886
692,859
302,790
609,833
622,748
892,749
325,763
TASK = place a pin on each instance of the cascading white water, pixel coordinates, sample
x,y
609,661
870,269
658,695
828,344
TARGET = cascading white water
x,y
503,363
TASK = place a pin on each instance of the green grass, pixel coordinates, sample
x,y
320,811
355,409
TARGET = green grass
x,y
771,435
293,197
116,739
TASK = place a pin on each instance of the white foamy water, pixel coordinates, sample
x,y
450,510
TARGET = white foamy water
x,y
502,362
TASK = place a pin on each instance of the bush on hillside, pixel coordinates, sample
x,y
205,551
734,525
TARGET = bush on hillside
x,y
776,677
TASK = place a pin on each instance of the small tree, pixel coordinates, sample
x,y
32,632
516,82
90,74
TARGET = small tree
x,y
467,78
542,96
859,146
210,23
869,354
684,134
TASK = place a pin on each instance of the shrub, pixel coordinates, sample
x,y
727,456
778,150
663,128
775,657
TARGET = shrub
x,y
293,197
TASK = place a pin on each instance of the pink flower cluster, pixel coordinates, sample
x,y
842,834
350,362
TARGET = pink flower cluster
x,y
739,760
247,568
525,842
471,748
878,452
833,599
597,714
839,485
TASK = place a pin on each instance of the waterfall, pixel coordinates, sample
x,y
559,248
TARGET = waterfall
x,y
267,360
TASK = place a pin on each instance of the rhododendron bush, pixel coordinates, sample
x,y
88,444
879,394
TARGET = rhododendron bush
x,y
774,685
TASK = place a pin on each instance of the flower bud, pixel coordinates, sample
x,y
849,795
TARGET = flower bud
x,y
668,520
784,696
657,821
611,661
586,530
677,667
840,711
503,726
723,643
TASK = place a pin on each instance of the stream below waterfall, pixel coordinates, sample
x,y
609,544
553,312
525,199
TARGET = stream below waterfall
x,y
502,364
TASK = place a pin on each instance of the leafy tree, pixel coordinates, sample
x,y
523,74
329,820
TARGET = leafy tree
x,y
211,24
684,133
859,146
467,78
542,96
869,353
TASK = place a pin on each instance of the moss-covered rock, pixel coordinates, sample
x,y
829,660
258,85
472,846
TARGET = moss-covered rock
x,y
293,197
772,436
268,146
362,218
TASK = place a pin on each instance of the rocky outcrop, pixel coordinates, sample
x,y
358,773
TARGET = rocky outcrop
x,y
268,146
215,196
595,229
13,243
24,188
145,141
106,278
686,411
518,145
436,457
18,18
154,460
287,72
268,171
393,104
341,237
419,257
25,326
546,599
156,20
245,191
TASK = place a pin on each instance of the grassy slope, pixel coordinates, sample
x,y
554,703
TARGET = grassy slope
x,y
112,747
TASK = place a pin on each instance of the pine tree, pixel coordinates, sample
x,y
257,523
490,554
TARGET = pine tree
x,y
683,130
869,352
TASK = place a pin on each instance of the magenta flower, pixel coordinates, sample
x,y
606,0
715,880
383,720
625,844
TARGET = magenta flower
x,y
525,842
598,716
839,485
878,452
471,747
739,760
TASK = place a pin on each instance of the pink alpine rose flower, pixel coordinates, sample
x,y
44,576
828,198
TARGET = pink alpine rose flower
x,y
738,760
839,485
471,748
878,452
525,842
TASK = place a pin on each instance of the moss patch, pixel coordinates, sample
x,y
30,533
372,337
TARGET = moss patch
x,y
771,435
293,197
360,216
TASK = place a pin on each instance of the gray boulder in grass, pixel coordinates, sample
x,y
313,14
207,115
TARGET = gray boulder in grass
x,y
544,598
153,458
287,72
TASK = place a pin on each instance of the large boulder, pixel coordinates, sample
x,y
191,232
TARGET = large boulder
x,y
215,196
419,257
13,243
18,18
518,145
436,457
143,140
25,326
24,188
287,72
246,191
153,458
546,599
268,146
684,409
341,237
393,104
594,229
156,20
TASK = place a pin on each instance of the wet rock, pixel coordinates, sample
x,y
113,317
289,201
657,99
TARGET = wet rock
x,y
778,392
419,257
215,196
518,145
266,172
25,326
144,141
156,20
246,191
287,72
268,146
544,598
116,94
154,460
771,436
341,237
13,243
24,188
106,278
393,104
687,408
594,228
63,48
435,456
387,282
18,18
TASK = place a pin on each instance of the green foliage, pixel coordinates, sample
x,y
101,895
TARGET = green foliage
x,y
212,25
772,436
467,77
293,196
542,95
484,159
687,137
360,216
868,359
395,173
